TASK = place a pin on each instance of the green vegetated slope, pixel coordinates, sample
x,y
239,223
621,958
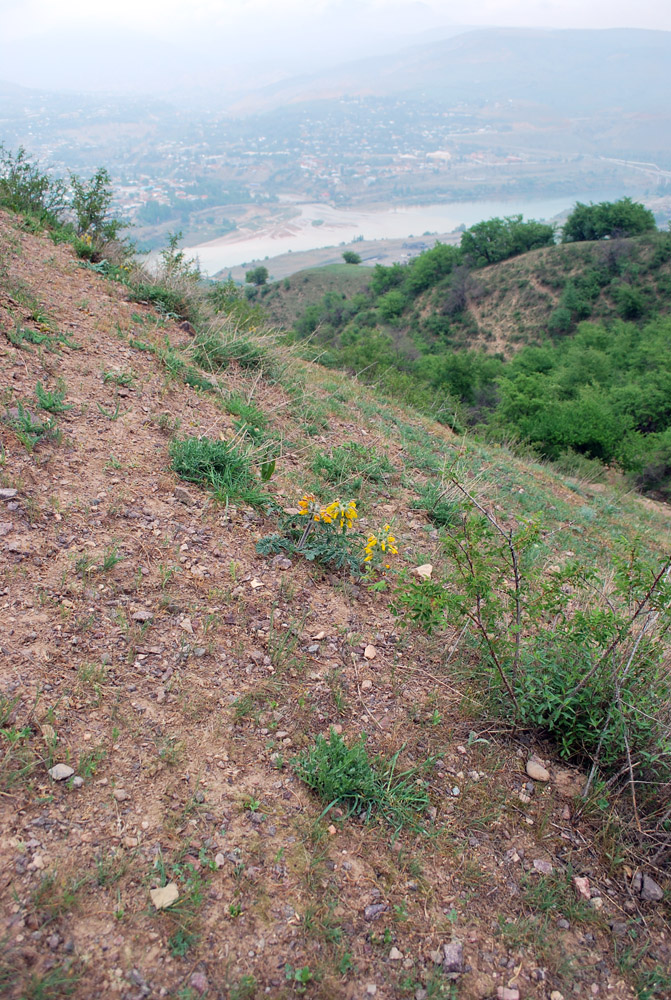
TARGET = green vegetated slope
x,y
285,301
564,347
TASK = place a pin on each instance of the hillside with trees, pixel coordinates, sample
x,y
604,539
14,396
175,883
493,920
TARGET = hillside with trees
x,y
562,347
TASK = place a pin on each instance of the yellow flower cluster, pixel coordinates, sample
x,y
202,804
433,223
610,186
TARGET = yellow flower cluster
x,y
338,512
386,542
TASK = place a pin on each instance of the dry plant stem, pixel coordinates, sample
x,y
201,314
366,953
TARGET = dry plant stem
x,y
508,538
626,670
476,619
620,636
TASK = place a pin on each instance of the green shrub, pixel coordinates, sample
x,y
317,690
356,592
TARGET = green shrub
x,y
25,188
345,776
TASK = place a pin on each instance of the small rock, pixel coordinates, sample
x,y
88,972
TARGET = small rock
x,y
544,867
318,637
370,652
8,494
199,982
165,896
395,955
556,995
436,957
59,772
256,584
456,791
186,625
596,902
183,496
506,993
219,860
77,782
366,685
371,990
453,960
582,887
424,571
142,616
53,941
647,888
120,794
563,924
537,771
282,562
374,911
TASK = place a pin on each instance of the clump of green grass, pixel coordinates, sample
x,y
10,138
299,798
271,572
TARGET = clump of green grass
x,y
350,464
346,776
440,508
219,465
217,347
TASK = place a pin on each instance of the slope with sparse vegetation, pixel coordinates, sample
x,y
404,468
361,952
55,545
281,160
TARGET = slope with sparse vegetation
x,y
304,695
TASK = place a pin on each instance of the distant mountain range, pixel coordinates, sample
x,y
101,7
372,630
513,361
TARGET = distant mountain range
x,y
566,70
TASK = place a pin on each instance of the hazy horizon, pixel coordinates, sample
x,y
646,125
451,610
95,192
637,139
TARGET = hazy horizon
x,y
224,48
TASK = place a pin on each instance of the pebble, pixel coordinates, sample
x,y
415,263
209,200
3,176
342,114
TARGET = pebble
x,y
563,924
453,960
199,982
556,995
374,911
77,782
506,993
647,888
424,572
537,771
59,772
183,496
544,867
370,652
366,685
120,794
8,494
142,616
582,887
371,990
596,903
165,896
436,957
395,955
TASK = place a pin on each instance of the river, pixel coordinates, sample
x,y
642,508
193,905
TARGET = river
x,y
315,226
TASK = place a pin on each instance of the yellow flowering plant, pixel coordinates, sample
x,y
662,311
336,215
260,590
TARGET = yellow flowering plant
x,y
329,536
379,548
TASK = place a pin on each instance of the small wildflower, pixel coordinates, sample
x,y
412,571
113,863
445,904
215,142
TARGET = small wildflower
x,y
344,514
308,505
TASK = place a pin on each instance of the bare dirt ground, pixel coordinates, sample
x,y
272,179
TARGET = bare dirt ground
x,y
147,646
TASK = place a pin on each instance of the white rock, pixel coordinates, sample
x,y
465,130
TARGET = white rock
x,y
395,955
370,652
366,685
582,887
59,772
164,897
120,794
537,771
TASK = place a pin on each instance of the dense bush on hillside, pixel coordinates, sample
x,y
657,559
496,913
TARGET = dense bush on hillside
x,y
607,220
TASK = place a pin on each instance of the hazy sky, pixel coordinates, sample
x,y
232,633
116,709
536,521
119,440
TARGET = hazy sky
x,y
21,18
179,46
